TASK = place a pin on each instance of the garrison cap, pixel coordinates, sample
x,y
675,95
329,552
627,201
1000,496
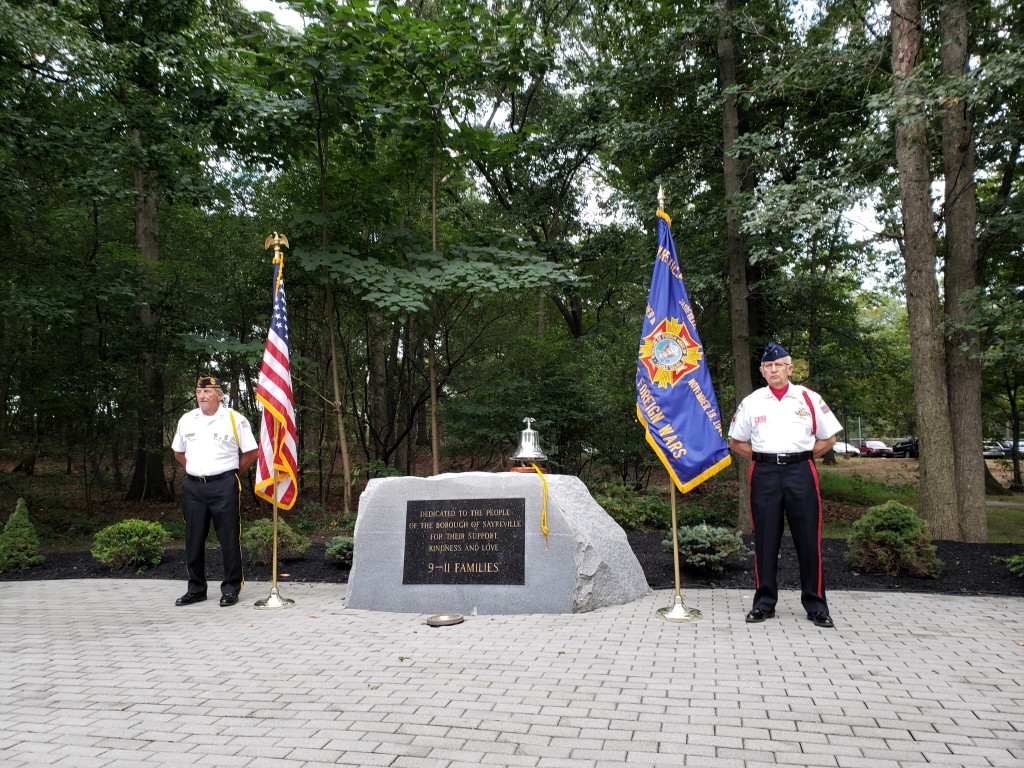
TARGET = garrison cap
x,y
208,382
773,352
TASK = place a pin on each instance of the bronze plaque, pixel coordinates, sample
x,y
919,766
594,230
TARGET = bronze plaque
x,y
465,541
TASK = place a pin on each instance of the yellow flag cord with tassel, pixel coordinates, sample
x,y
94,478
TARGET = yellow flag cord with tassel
x,y
544,508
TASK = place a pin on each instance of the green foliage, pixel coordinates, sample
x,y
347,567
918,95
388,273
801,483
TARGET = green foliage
x,y
131,543
1016,565
309,517
708,549
19,543
632,510
999,319
476,270
258,540
375,468
175,528
525,376
531,302
716,508
638,511
891,538
341,549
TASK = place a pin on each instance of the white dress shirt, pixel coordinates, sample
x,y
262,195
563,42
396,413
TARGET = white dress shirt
x,y
208,442
788,425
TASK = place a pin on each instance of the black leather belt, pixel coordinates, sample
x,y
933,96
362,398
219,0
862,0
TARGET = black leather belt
x,y
210,478
783,458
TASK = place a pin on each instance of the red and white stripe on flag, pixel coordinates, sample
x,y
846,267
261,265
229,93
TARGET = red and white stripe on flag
x,y
276,465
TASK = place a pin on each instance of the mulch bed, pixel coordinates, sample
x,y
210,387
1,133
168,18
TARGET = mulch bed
x,y
969,569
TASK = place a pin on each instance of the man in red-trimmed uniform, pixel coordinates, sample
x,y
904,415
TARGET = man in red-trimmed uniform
x,y
782,428
207,444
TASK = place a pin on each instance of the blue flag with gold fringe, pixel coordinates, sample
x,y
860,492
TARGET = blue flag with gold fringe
x,y
675,400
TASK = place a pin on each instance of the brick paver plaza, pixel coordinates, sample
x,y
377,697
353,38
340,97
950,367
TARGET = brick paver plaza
x,y
105,673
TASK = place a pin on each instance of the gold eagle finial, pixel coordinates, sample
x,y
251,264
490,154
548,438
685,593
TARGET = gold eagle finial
x,y
277,241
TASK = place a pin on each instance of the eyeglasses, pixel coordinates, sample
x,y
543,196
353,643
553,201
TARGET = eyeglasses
x,y
772,366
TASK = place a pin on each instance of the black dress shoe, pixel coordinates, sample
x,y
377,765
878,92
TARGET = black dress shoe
x,y
227,600
821,619
190,597
757,615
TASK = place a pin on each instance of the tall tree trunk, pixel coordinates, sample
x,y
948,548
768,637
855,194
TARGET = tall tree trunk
x,y
961,277
739,293
148,482
346,467
378,411
937,487
435,442
1011,388
346,464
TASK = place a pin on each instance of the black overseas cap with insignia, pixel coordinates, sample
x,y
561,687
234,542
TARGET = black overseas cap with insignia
x,y
208,382
773,352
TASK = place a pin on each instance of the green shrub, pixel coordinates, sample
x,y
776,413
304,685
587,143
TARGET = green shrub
x,y
340,548
891,538
633,511
715,508
135,543
258,540
19,542
708,549
1016,564
345,520
308,518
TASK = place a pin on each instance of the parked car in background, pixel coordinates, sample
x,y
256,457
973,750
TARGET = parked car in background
x,y
990,449
875,448
845,449
907,449
1008,448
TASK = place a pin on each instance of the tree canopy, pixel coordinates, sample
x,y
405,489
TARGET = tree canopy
x,y
470,192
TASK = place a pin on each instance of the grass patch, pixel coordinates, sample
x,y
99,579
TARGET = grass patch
x,y
862,492
837,529
1006,525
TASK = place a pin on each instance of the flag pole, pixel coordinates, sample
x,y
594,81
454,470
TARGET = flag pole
x,y
678,611
274,600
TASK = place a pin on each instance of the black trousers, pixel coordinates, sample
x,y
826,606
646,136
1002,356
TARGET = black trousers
x,y
791,493
213,502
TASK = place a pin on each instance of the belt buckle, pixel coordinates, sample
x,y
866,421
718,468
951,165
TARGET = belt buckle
x,y
780,458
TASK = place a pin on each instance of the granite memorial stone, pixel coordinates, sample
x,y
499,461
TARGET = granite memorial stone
x,y
473,543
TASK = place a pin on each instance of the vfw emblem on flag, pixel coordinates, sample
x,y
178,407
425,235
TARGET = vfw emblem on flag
x,y
669,353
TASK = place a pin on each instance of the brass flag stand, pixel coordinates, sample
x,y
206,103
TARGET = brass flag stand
x,y
275,601
678,611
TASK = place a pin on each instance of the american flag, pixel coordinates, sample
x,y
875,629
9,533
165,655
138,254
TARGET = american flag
x,y
276,462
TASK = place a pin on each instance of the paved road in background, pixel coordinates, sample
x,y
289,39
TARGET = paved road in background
x,y
109,673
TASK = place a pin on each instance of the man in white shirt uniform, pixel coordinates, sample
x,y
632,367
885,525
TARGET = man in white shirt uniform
x,y
207,444
782,428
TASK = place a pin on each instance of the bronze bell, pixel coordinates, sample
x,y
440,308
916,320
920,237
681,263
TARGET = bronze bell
x,y
529,445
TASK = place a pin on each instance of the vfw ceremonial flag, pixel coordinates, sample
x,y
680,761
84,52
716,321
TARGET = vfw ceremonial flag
x,y
276,462
674,397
